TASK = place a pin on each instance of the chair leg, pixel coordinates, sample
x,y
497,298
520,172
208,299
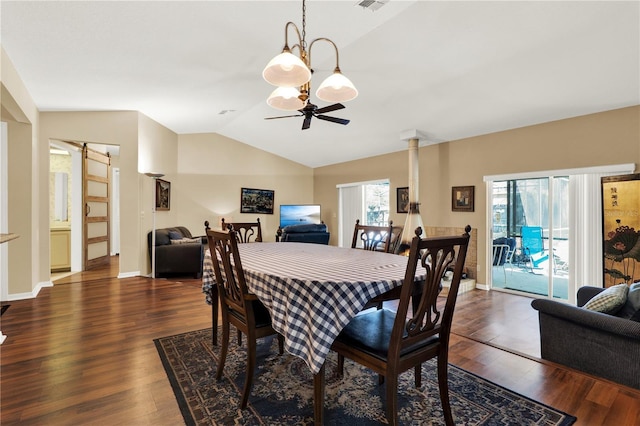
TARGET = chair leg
x,y
280,344
417,375
251,363
223,349
214,315
239,338
380,379
392,398
443,385
340,365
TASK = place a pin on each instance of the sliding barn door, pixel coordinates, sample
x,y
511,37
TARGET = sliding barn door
x,y
96,172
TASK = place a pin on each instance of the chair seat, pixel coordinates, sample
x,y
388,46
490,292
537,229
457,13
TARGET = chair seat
x,y
371,333
260,313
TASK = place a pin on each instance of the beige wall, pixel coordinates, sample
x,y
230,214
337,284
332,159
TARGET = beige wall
x,y
23,180
158,153
607,138
213,168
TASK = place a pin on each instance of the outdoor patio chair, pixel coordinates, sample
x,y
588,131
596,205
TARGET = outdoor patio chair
x,y
533,246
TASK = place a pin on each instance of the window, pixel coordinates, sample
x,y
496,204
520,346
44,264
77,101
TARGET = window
x,y
366,201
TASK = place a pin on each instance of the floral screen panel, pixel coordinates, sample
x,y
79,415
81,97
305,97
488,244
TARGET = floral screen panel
x,y
621,225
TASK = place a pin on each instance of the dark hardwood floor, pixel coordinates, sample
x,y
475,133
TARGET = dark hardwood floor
x,y
82,352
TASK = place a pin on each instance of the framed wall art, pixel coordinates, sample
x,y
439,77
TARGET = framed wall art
x,y
462,198
402,200
256,201
621,228
163,195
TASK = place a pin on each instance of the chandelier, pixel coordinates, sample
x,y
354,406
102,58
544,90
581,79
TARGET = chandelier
x,y
292,74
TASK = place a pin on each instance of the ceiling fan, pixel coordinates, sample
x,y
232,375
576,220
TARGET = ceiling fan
x,y
310,110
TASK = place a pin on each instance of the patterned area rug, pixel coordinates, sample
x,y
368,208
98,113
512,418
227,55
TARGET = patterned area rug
x,y
282,391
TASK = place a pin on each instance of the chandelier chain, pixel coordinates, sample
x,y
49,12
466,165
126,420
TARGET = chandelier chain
x,y
304,25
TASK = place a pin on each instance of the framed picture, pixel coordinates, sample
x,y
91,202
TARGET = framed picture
x,y
462,198
163,195
256,201
621,228
402,200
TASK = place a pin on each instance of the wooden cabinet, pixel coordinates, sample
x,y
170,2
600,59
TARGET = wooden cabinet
x,y
60,250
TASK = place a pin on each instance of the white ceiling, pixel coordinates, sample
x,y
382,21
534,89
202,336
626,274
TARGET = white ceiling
x,y
449,69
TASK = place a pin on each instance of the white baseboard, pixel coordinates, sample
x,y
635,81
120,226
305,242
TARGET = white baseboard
x,y
30,295
129,274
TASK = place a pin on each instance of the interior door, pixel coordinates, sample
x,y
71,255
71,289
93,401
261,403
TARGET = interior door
x,y
96,172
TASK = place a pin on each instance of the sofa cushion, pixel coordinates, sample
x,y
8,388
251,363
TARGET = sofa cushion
x,y
631,309
634,295
174,235
610,300
187,241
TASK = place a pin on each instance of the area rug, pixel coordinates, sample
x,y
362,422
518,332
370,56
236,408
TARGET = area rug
x,y
282,391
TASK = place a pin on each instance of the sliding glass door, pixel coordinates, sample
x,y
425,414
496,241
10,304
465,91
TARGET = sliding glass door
x,y
367,202
530,235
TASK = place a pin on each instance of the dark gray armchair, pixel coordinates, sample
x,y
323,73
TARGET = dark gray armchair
x,y
177,259
604,345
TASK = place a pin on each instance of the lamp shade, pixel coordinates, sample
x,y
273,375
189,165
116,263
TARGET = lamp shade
x,y
336,88
285,98
286,70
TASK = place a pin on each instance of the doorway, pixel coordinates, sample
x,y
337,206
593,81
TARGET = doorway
x,y
76,194
530,236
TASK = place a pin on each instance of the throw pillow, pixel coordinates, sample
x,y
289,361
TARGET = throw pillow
x,y
186,241
173,235
610,300
634,295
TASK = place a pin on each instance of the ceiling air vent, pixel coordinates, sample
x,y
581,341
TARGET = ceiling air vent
x,y
372,5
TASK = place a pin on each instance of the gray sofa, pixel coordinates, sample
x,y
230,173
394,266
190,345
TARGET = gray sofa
x,y
180,257
604,345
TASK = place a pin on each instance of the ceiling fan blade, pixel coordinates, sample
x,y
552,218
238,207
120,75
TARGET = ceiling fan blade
x,y
283,116
307,122
329,108
333,119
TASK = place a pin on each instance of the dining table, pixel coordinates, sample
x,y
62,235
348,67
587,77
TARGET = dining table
x,y
312,291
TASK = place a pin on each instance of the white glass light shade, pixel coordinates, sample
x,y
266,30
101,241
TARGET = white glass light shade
x,y
336,88
286,70
285,98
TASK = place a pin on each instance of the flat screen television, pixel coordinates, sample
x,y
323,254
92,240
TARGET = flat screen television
x,y
299,214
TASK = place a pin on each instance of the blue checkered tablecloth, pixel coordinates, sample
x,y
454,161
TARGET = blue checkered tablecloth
x,y
312,290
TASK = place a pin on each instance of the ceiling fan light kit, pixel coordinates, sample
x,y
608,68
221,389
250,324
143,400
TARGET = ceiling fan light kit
x,y
286,70
337,88
286,98
292,75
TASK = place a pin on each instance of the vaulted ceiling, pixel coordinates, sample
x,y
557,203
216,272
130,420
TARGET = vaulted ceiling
x,y
450,69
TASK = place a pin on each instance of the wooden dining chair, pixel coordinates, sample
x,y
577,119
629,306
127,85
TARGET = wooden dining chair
x,y
371,237
246,232
390,343
239,307
378,238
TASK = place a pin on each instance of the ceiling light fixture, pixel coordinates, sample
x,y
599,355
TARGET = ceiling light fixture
x,y
292,74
